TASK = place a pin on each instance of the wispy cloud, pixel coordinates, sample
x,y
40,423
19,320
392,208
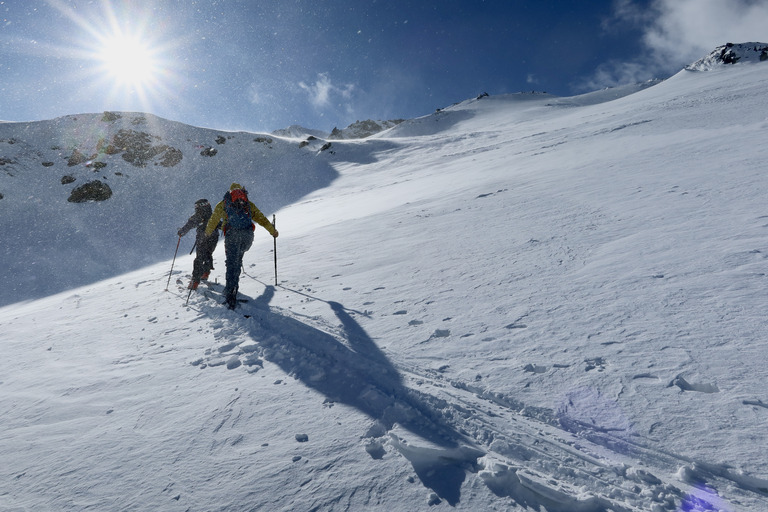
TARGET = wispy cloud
x,y
324,93
253,94
676,33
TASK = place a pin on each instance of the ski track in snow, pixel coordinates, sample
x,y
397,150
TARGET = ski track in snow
x,y
515,303
536,457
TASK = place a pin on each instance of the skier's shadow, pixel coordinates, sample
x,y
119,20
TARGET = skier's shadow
x,y
357,374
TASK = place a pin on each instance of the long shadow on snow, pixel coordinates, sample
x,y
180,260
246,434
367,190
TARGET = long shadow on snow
x,y
360,375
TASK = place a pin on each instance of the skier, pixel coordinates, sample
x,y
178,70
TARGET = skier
x,y
237,214
204,243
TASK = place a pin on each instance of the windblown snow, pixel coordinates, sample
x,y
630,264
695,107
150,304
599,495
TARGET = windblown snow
x,y
519,302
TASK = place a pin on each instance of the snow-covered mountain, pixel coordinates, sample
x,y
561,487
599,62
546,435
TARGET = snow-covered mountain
x,y
152,169
356,130
363,129
731,54
299,132
518,302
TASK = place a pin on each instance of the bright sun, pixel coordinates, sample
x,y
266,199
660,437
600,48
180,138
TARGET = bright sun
x,y
129,61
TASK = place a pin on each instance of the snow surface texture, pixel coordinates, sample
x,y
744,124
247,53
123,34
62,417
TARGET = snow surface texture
x,y
516,303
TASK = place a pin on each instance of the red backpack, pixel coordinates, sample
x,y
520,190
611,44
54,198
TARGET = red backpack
x,y
238,209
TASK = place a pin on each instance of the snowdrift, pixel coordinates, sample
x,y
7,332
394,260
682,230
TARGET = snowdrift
x,y
517,303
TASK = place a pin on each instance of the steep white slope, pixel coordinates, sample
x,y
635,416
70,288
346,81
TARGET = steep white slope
x,y
543,306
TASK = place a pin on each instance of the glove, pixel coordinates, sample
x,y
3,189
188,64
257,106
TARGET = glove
x,y
275,234
181,234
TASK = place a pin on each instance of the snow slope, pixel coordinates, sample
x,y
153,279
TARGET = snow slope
x,y
516,303
51,244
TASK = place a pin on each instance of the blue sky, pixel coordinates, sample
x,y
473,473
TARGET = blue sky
x,y
267,64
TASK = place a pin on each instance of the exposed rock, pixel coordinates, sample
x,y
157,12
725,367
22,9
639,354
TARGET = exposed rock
x,y
220,139
298,132
77,158
65,180
109,117
92,191
48,164
111,149
363,129
138,149
137,146
171,157
209,152
731,53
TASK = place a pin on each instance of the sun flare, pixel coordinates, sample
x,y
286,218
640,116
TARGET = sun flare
x,y
129,61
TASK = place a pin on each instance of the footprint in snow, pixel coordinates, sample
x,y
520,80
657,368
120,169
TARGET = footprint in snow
x,y
245,356
645,376
440,333
684,385
535,368
375,449
227,347
597,363
757,403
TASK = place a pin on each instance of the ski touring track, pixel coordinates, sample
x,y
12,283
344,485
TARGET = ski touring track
x,y
527,455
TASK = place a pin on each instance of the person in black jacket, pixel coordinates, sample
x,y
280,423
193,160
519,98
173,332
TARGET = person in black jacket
x,y
205,244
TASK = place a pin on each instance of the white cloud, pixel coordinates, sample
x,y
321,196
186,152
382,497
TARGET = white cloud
x,y
686,30
613,73
254,96
678,32
323,92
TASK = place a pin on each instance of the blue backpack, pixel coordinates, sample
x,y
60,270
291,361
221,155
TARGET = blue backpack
x,y
238,209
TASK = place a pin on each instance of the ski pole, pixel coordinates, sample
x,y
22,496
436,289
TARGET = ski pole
x,y
274,239
193,248
172,263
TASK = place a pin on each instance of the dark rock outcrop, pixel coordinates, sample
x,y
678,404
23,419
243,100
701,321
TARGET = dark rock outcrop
x,y
138,149
92,191
731,53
